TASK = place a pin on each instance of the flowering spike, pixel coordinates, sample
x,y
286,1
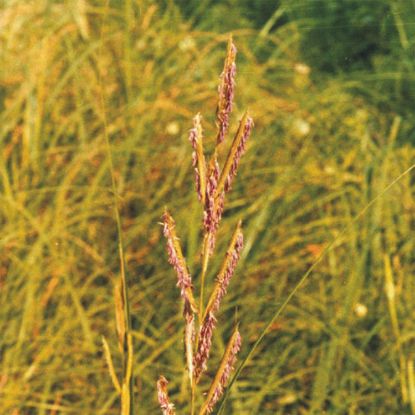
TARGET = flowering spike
x,y
119,314
213,206
209,321
198,157
226,92
163,397
205,343
110,364
176,258
227,270
189,338
240,150
235,154
222,375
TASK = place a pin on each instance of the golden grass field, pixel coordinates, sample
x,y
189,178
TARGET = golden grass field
x,y
96,101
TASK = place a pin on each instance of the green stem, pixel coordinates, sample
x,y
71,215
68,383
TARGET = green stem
x,y
127,355
192,409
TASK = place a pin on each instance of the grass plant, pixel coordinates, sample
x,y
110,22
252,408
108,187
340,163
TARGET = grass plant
x,y
212,184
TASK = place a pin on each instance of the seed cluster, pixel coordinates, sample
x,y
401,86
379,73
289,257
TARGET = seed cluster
x,y
212,183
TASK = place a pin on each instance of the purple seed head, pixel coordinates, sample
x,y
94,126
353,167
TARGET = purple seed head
x,y
163,398
225,277
222,283
213,206
195,138
205,343
226,92
235,346
176,259
239,152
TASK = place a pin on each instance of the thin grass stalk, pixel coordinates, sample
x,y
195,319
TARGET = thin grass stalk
x,y
110,365
127,393
411,384
193,398
126,396
129,19
393,313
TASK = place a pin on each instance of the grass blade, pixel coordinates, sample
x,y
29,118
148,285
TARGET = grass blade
x,y
323,254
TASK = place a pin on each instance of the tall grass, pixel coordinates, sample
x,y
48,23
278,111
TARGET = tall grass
x,y
213,181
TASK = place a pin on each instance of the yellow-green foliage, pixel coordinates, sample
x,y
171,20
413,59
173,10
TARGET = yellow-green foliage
x,y
320,152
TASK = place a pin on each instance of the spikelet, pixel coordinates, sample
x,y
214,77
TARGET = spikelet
x,y
210,217
240,150
184,282
108,359
176,259
227,269
198,157
163,397
189,338
222,281
235,153
226,92
119,315
222,375
204,345
213,205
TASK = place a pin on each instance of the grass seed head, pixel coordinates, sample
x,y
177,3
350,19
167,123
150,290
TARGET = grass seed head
x,y
234,154
227,270
222,375
198,157
240,150
209,321
213,205
205,343
166,406
176,259
226,92
189,338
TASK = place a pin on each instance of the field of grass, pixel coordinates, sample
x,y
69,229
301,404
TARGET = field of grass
x,y
96,101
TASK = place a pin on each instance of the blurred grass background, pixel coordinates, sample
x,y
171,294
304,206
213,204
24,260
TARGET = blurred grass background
x,y
331,86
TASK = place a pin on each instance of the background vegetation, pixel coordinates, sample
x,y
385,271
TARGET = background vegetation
x,y
331,86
